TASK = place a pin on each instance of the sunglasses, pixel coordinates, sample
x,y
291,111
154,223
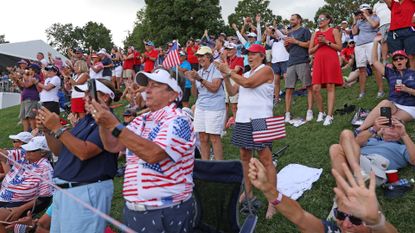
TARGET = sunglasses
x,y
321,19
16,141
342,216
398,58
351,42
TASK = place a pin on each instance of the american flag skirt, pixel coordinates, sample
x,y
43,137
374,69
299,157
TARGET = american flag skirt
x,y
242,137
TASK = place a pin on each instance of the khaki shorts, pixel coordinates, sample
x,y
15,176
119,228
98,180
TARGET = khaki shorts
x,y
300,72
128,73
231,99
268,55
26,109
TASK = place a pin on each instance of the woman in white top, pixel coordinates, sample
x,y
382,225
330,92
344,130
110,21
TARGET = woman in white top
x,y
77,98
97,68
256,90
49,89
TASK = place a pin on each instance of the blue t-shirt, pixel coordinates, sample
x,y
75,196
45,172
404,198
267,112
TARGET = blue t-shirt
x,y
298,54
396,153
101,167
106,71
186,65
408,78
206,100
366,32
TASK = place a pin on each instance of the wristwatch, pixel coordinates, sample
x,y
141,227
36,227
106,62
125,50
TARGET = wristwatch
x,y
59,133
117,130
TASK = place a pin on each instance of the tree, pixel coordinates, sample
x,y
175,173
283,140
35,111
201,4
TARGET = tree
x,y
3,39
65,36
251,8
163,21
341,10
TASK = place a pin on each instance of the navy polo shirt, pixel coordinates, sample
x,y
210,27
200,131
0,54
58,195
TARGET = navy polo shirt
x,y
101,167
408,78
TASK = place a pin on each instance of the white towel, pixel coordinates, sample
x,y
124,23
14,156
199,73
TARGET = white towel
x,y
294,179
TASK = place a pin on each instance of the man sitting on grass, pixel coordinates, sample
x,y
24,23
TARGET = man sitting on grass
x,y
392,143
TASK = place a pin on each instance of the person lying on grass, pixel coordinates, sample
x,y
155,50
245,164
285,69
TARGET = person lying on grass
x,y
357,212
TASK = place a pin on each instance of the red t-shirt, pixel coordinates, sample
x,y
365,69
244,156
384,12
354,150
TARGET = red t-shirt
x,y
137,59
128,63
236,61
401,14
148,63
347,53
191,55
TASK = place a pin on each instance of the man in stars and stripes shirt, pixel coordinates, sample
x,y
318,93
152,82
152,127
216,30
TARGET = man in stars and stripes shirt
x,y
160,157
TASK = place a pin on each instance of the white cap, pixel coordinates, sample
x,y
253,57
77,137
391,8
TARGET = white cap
x,y
230,45
100,87
36,143
251,34
162,76
376,163
102,51
22,136
364,6
188,112
344,21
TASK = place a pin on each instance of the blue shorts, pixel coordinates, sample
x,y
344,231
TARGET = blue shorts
x,y
402,39
70,216
279,68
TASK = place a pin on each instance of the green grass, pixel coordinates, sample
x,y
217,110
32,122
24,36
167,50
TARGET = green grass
x,y
308,145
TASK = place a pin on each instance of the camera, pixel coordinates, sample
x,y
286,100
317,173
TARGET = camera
x,y
358,12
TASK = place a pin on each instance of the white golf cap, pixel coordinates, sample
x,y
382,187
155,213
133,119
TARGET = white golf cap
x,y
100,87
22,136
251,34
364,6
230,45
102,51
160,76
36,143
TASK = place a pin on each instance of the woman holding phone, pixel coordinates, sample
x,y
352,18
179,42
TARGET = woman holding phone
x,y
401,80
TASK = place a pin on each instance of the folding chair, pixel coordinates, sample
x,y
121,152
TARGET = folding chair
x,y
217,188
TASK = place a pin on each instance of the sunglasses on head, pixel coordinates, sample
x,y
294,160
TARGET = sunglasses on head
x,y
342,216
398,58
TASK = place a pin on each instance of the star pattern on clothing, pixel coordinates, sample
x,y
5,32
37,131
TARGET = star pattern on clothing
x,y
154,166
259,124
153,134
182,129
7,195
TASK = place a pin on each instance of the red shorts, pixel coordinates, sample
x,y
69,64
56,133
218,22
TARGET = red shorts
x,y
77,105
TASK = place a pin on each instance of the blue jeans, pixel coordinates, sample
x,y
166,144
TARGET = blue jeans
x,y
70,216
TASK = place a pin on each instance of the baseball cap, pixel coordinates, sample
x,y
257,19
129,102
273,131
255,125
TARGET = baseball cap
x,y
34,66
344,21
182,53
256,48
160,76
36,143
400,53
203,50
22,136
52,68
149,43
364,6
78,50
230,45
222,34
376,163
251,34
129,112
22,62
102,51
100,87
93,55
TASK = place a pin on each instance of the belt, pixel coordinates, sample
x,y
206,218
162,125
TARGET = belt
x,y
76,184
141,207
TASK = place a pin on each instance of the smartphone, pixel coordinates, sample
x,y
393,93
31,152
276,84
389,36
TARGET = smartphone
x,y
386,112
92,86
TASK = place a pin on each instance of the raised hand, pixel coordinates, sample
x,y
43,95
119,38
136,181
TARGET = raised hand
x,y
258,176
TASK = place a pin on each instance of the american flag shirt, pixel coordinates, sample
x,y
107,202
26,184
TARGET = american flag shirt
x,y
170,180
19,185
15,155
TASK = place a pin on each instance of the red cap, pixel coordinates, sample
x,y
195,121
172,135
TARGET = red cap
x,y
256,48
399,52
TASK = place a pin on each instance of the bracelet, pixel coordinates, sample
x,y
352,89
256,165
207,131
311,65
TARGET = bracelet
x,y
372,130
277,200
380,225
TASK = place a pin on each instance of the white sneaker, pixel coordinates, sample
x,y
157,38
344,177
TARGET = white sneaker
x,y
328,121
287,117
361,95
321,116
309,115
380,95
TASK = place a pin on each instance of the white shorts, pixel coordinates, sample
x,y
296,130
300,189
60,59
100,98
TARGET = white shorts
x,y
117,72
363,55
210,122
408,109
231,99
268,55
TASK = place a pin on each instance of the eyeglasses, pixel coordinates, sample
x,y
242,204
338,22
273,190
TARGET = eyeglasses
x,y
16,141
342,216
398,58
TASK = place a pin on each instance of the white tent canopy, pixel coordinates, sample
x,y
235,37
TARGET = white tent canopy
x,y
27,50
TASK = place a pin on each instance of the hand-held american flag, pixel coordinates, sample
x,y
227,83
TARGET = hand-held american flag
x,y
268,129
172,58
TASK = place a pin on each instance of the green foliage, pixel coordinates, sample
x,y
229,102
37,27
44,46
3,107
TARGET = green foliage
x,y
341,10
251,8
65,36
163,21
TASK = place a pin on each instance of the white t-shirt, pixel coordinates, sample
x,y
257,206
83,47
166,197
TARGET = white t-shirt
x,y
52,94
74,93
383,12
93,74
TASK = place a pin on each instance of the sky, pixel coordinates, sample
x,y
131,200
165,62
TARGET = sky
x,y
23,20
